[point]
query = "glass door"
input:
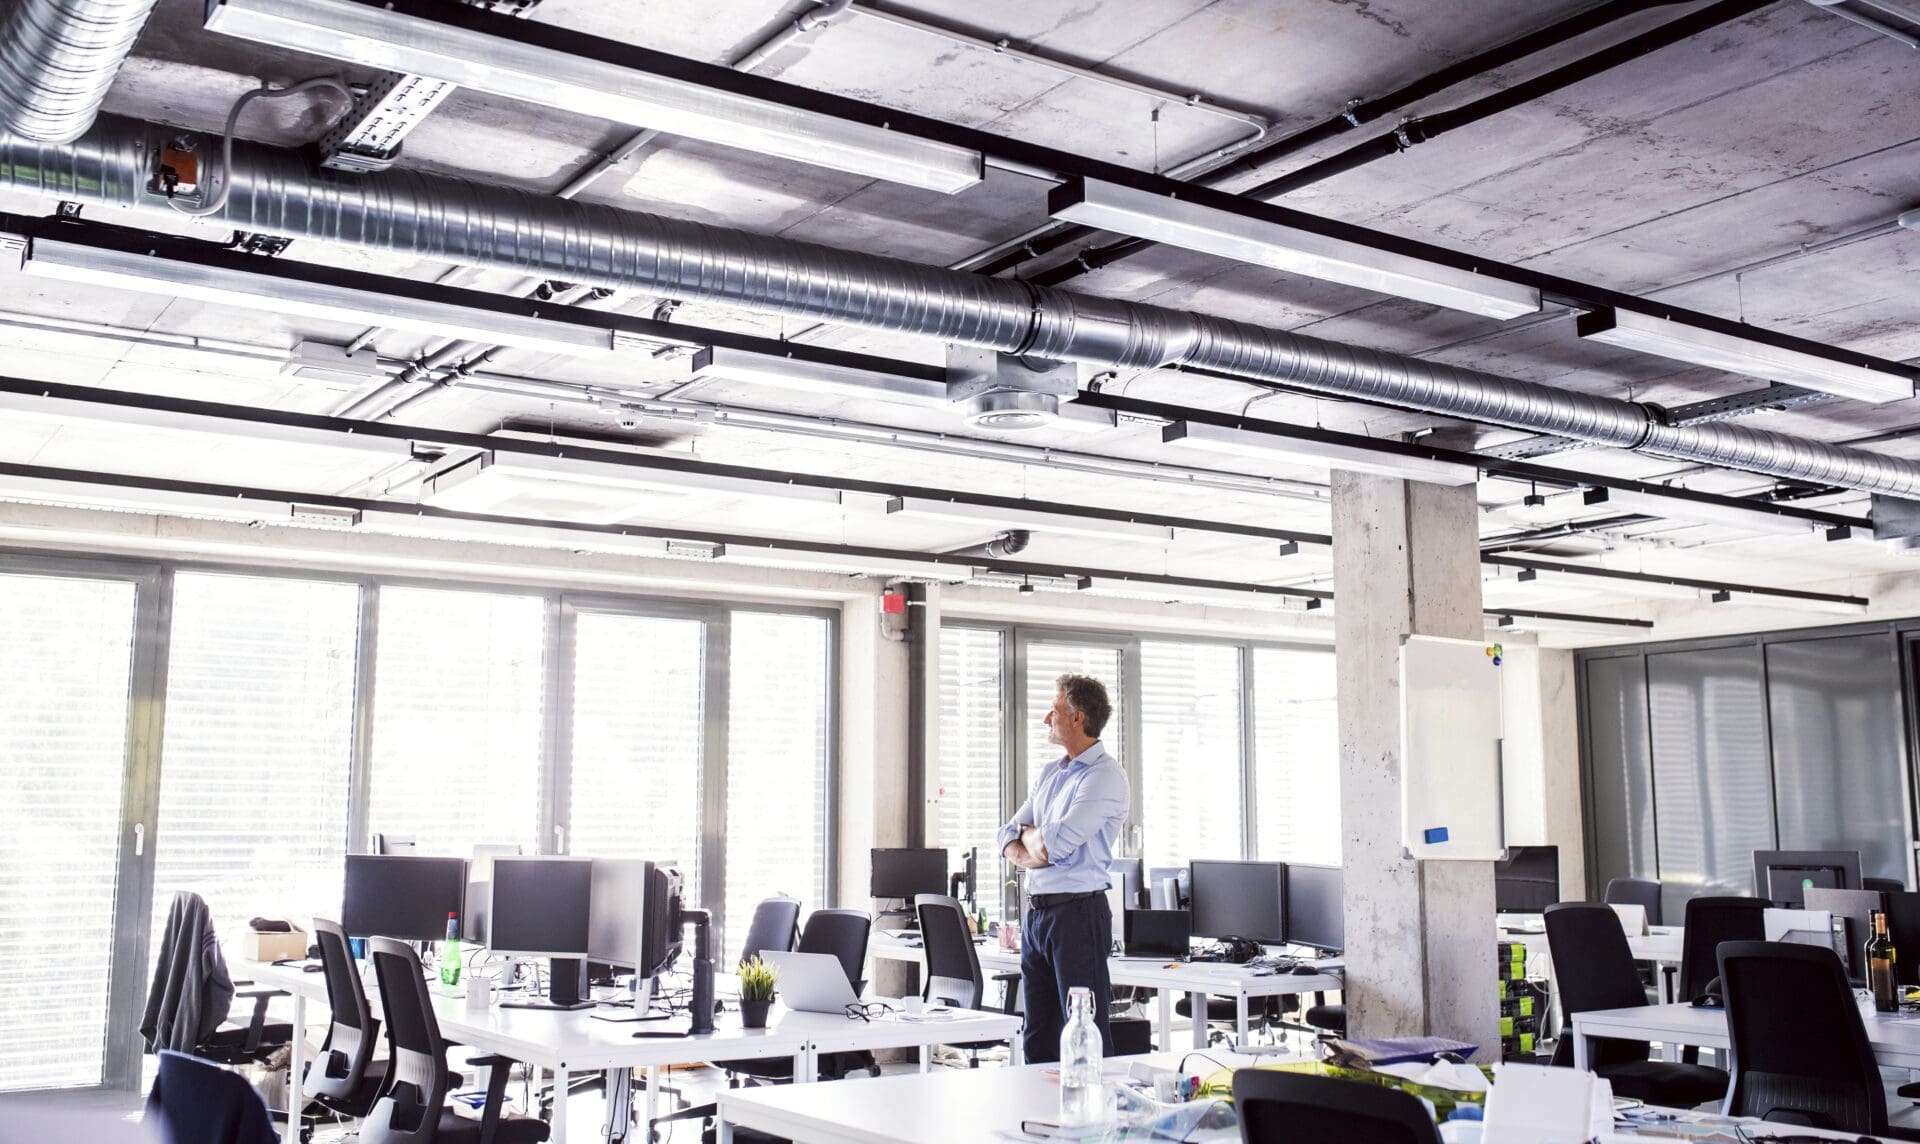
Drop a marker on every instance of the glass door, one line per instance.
(76, 697)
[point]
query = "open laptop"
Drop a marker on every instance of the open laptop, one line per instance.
(811, 982)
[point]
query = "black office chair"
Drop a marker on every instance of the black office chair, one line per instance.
(1800, 1053)
(953, 975)
(775, 926)
(1329, 1019)
(413, 1109)
(1643, 892)
(344, 1078)
(1595, 970)
(1883, 885)
(1224, 1012)
(1294, 1108)
(1711, 921)
(200, 1101)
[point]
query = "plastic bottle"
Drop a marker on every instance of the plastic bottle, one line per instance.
(1082, 1092)
(450, 953)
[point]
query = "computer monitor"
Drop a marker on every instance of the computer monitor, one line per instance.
(1316, 907)
(1167, 887)
(1856, 909)
(473, 922)
(1784, 876)
(540, 906)
(1240, 899)
(1527, 880)
(1133, 876)
(632, 915)
(1903, 928)
(402, 896)
(906, 871)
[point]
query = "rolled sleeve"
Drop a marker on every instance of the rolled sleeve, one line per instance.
(1101, 799)
(1022, 819)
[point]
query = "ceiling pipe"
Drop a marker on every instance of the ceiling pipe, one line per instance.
(458, 220)
(57, 60)
(1870, 22)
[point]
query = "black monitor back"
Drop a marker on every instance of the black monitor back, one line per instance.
(402, 896)
(903, 872)
(1527, 880)
(1784, 876)
(1316, 906)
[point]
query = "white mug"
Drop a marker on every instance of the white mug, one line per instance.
(913, 1004)
(479, 991)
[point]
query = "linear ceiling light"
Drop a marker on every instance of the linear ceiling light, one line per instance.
(1039, 520)
(812, 370)
(1247, 596)
(1175, 222)
(575, 489)
(67, 409)
(1680, 341)
(850, 563)
(1308, 450)
(1701, 512)
(103, 266)
(393, 37)
(1527, 620)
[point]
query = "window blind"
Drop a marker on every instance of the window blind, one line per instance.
(968, 808)
(1296, 750)
(1191, 795)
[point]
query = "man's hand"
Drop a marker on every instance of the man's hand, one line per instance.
(1017, 853)
(1035, 843)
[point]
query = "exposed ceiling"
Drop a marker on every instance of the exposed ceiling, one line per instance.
(1759, 141)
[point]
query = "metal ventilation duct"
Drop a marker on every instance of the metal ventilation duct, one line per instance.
(457, 220)
(57, 59)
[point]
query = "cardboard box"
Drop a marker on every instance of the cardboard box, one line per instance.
(275, 946)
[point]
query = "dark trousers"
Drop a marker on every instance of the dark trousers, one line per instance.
(1065, 947)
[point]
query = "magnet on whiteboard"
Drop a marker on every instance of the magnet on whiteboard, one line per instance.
(1436, 834)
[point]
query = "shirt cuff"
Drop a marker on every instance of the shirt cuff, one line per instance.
(1058, 850)
(1007, 834)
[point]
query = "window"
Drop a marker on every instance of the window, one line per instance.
(1296, 751)
(973, 697)
(1046, 663)
(1191, 789)
(777, 727)
(65, 669)
(457, 719)
(258, 748)
(638, 735)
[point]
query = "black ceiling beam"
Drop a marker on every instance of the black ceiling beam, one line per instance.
(1675, 581)
(1573, 617)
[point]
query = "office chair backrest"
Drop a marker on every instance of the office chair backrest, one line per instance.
(953, 965)
(1800, 1053)
(408, 1112)
(1285, 1108)
(1711, 921)
(1883, 885)
(342, 1064)
(775, 926)
(199, 1101)
(1594, 969)
(843, 933)
(1636, 892)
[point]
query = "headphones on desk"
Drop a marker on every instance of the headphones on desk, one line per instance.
(1235, 950)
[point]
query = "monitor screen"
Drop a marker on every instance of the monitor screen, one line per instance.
(1903, 927)
(1239, 899)
(902, 873)
(1527, 880)
(1783, 877)
(1316, 910)
(402, 896)
(541, 906)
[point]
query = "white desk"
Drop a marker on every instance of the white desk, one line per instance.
(565, 1043)
(948, 1106)
(1895, 1038)
(1197, 979)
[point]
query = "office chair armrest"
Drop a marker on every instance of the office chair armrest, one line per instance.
(1011, 994)
(497, 1067)
(257, 1024)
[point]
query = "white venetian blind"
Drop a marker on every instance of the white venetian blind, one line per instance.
(258, 749)
(1046, 663)
(973, 698)
(777, 727)
(638, 727)
(65, 664)
(1296, 750)
(1190, 756)
(457, 726)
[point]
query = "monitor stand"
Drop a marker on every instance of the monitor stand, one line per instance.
(567, 987)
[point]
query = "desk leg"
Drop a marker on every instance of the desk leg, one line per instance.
(1199, 1003)
(926, 1058)
(1240, 1019)
(296, 1081)
(723, 1131)
(806, 1067)
(558, 1125)
(1581, 1049)
(1166, 1021)
(619, 1119)
(653, 1100)
(1017, 1049)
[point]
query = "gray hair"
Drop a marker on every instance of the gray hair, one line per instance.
(1088, 697)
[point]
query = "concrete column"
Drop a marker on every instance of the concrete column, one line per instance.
(1420, 936)
(874, 797)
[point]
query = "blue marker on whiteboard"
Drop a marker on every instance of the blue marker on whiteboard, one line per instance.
(1436, 834)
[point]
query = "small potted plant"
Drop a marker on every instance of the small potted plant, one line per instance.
(756, 992)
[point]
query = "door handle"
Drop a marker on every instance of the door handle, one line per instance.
(139, 839)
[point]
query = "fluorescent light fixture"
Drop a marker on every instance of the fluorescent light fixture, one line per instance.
(852, 564)
(72, 262)
(1700, 512)
(818, 371)
(392, 38)
(75, 409)
(1316, 452)
(1664, 337)
(1552, 621)
(586, 491)
(1208, 230)
(1039, 520)
(1596, 580)
(1204, 594)
(1788, 603)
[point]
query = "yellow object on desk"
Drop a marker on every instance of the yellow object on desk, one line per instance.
(1444, 1100)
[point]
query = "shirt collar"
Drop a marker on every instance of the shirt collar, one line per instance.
(1092, 755)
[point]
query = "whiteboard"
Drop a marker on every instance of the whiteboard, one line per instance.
(1450, 731)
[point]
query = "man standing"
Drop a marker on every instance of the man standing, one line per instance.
(1064, 836)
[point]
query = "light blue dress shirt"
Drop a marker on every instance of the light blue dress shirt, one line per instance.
(1080, 805)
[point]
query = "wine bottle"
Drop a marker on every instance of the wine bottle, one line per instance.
(1881, 979)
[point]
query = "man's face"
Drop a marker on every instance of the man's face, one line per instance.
(1061, 720)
